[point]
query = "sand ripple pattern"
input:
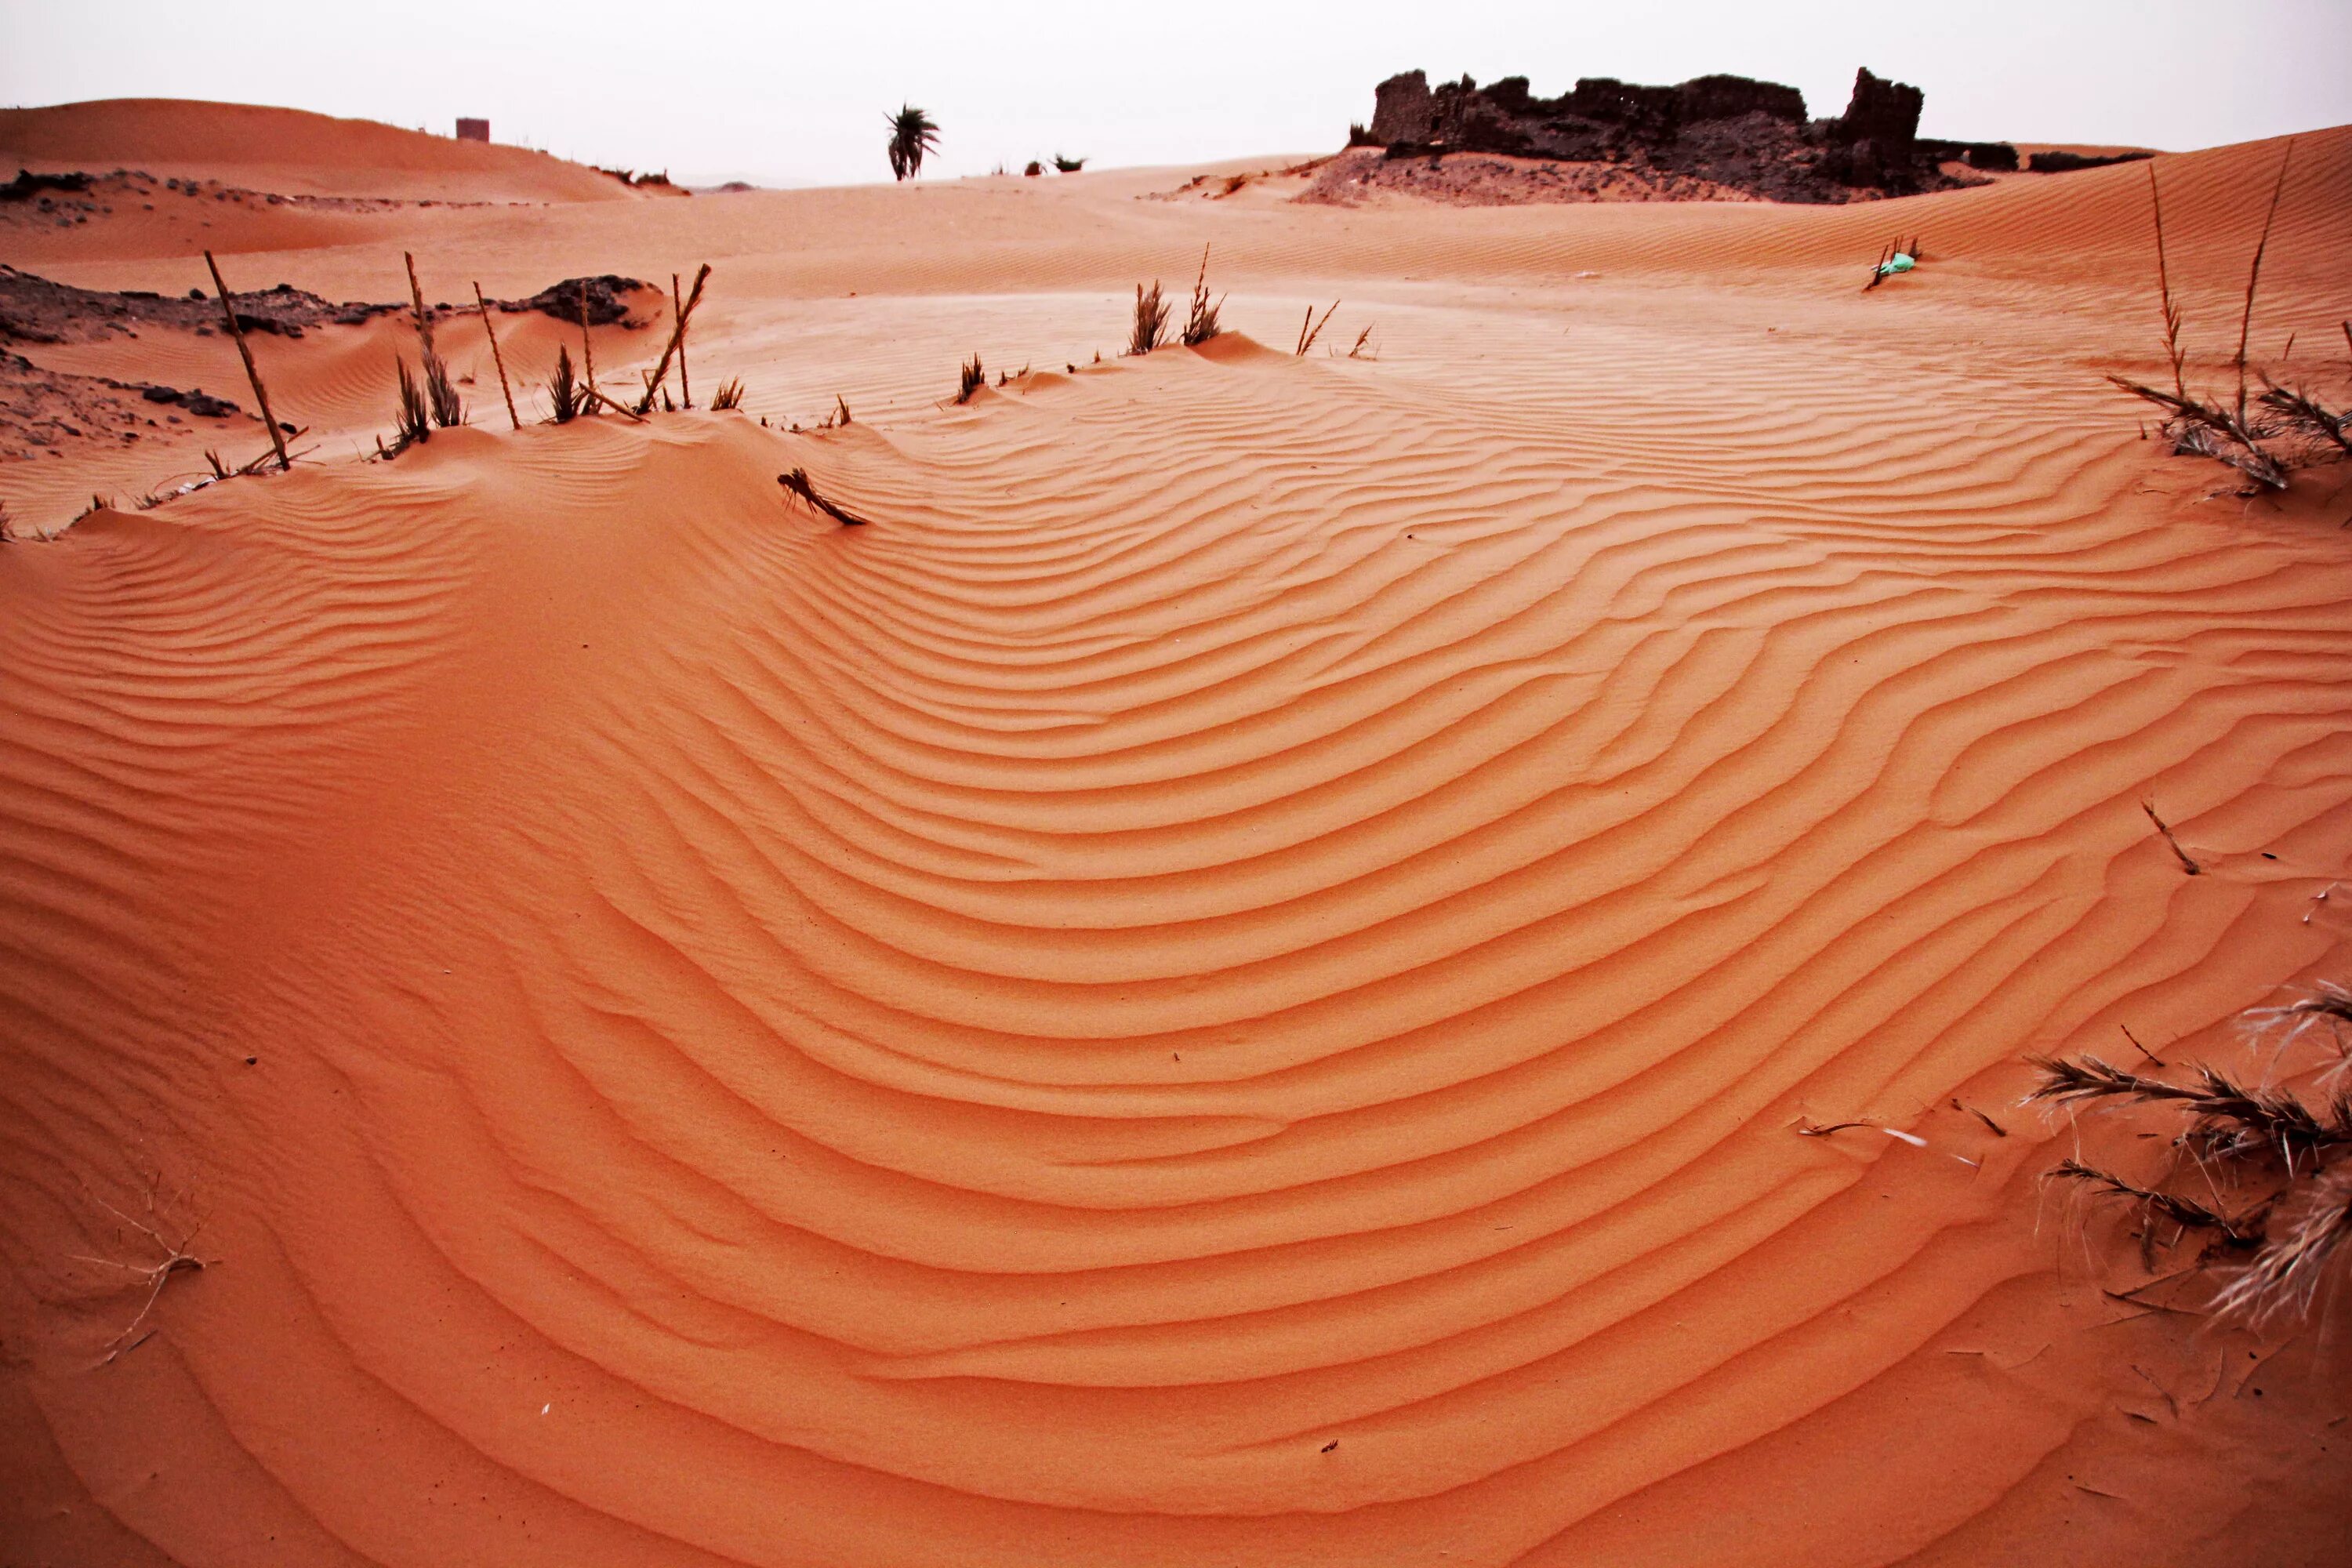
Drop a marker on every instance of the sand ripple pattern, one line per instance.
(1228, 983)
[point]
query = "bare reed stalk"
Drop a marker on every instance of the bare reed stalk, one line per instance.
(685, 387)
(497, 358)
(683, 314)
(252, 372)
(447, 409)
(797, 482)
(2254, 274)
(587, 344)
(2164, 291)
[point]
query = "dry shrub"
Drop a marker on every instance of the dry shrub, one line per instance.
(2284, 1149)
(969, 379)
(2264, 438)
(1151, 320)
(728, 395)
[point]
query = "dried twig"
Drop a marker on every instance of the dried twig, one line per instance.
(175, 1259)
(588, 346)
(796, 480)
(252, 372)
(685, 314)
(685, 387)
(2255, 273)
(2187, 865)
(497, 359)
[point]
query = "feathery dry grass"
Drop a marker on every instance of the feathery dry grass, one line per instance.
(2264, 438)
(2287, 1145)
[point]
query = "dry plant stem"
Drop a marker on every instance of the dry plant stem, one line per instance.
(416, 300)
(1306, 334)
(2164, 291)
(676, 337)
(2187, 865)
(2185, 1211)
(623, 410)
(685, 387)
(497, 359)
(252, 372)
(2254, 274)
(797, 482)
(587, 343)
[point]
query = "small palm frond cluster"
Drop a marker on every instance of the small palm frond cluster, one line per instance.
(2283, 1150)
(914, 136)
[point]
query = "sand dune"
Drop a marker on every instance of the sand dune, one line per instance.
(1234, 980)
(289, 151)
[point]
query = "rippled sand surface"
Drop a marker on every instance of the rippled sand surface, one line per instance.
(1234, 980)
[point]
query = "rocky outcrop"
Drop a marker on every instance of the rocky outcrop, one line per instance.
(1726, 131)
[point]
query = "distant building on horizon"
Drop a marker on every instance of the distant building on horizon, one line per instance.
(473, 131)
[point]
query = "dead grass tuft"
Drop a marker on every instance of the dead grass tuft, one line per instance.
(2266, 438)
(2286, 1144)
(1150, 328)
(412, 421)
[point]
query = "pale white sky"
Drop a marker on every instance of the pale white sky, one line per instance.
(785, 92)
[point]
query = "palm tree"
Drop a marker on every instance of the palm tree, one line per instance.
(913, 136)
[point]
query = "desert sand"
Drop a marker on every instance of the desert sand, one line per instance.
(1234, 981)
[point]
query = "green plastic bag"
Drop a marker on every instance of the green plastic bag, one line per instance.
(1898, 262)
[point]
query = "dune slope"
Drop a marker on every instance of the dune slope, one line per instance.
(1233, 981)
(289, 151)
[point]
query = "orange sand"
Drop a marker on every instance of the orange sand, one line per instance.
(289, 151)
(1230, 982)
